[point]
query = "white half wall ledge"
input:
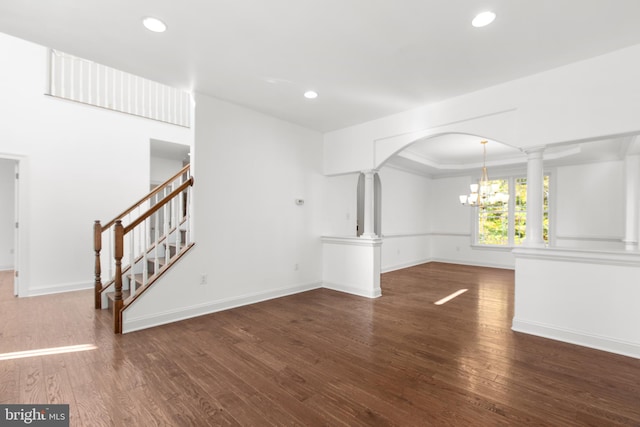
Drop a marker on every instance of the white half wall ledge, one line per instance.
(157, 319)
(583, 297)
(624, 258)
(611, 239)
(352, 240)
(578, 338)
(352, 265)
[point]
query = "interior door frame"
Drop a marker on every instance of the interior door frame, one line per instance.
(19, 282)
(16, 229)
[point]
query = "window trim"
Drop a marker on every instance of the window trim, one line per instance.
(511, 213)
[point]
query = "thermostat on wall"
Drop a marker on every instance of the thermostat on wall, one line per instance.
(299, 202)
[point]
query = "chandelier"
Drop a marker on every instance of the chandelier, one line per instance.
(484, 193)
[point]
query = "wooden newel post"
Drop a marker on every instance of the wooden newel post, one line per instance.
(97, 247)
(117, 299)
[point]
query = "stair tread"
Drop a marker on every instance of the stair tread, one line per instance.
(174, 244)
(112, 295)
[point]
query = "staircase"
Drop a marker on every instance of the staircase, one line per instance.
(141, 244)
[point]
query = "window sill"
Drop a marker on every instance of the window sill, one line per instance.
(498, 248)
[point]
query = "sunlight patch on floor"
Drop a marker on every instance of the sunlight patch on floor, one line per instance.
(450, 297)
(47, 351)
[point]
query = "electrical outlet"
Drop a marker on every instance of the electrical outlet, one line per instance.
(203, 279)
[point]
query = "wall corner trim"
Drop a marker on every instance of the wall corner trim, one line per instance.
(353, 290)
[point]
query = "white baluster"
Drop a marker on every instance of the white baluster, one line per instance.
(174, 105)
(145, 254)
(90, 82)
(120, 106)
(132, 263)
(98, 88)
(110, 252)
(81, 80)
(128, 76)
(188, 237)
(156, 260)
(62, 79)
(143, 97)
(53, 85)
(165, 218)
(176, 208)
(72, 75)
(162, 102)
(157, 115)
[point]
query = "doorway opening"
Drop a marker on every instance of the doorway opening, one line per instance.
(9, 225)
(377, 209)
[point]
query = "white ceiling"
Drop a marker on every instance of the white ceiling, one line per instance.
(455, 154)
(366, 58)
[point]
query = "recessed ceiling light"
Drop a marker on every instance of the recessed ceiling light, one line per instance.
(154, 24)
(310, 94)
(483, 19)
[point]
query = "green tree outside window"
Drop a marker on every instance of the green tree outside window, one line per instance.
(494, 225)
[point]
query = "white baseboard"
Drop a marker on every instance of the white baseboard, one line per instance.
(473, 263)
(375, 293)
(56, 289)
(404, 265)
(446, 261)
(579, 338)
(145, 322)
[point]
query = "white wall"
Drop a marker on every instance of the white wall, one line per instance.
(582, 297)
(588, 99)
(590, 205)
(406, 199)
(340, 205)
(79, 164)
(7, 220)
(163, 169)
(250, 235)
(451, 228)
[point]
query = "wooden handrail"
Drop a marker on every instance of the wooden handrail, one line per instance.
(147, 197)
(158, 205)
(119, 233)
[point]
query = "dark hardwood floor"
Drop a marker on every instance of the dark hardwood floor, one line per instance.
(318, 358)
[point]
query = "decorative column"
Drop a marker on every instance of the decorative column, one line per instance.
(535, 198)
(369, 205)
(632, 195)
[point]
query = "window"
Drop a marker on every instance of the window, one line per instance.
(502, 221)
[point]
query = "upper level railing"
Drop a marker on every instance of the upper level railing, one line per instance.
(78, 79)
(141, 242)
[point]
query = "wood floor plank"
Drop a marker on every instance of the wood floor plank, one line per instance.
(319, 358)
